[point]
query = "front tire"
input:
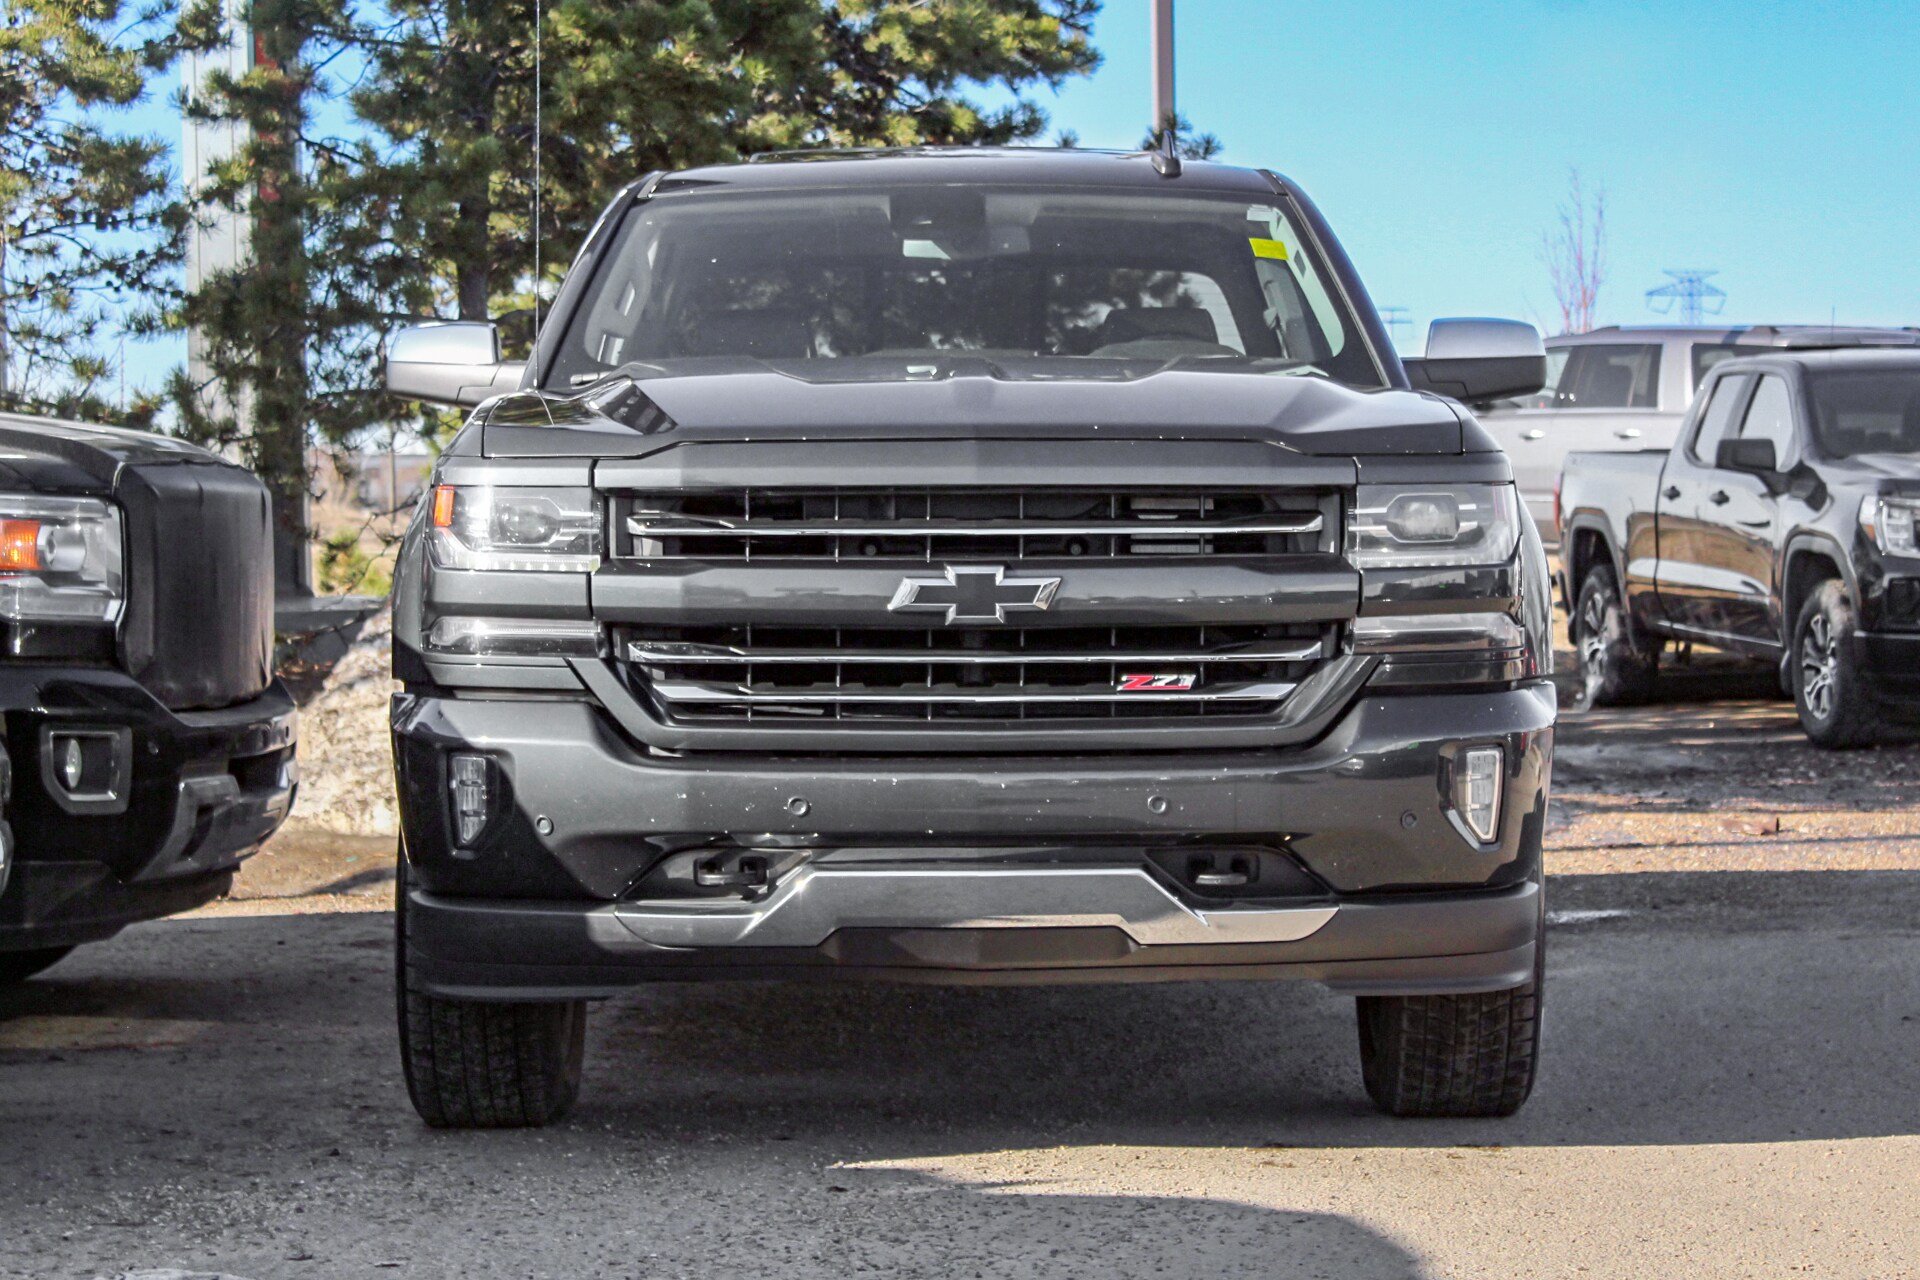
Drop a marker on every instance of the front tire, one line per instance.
(1617, 666)
(1830, 692)
(18, 966)
(1463, 1056)
(473, 1064)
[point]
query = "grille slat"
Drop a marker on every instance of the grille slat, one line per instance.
(931, 524)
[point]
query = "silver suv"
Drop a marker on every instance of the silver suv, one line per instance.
(1628, 387)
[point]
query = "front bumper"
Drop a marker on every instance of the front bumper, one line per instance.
(195, 792)
(983, 868)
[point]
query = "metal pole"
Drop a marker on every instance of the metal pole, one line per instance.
(1161, 43)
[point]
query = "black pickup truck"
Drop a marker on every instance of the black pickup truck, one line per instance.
(993, 566)
(1780, 525)
(147, 747)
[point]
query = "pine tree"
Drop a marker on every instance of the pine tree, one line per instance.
(90, 230)
(426, 205)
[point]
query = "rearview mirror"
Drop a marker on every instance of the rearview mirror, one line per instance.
(1477, 361)
(1756, 456)
(450, 362)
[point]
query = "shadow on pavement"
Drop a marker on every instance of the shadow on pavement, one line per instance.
(1716, 1007)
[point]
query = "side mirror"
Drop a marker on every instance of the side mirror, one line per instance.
(450, 362)
(1756, 456)
(1476, 361)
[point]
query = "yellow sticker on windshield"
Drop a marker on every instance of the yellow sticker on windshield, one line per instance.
(1268, 248)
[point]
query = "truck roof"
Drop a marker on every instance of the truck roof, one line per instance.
(1759, 335)
(1832, 358)
(1071, 166)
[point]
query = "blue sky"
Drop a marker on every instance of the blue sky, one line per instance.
(1775, 142)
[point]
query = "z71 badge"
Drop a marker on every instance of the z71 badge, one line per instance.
(1171, 682)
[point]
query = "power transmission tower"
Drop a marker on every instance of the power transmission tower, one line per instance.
(1689, 289)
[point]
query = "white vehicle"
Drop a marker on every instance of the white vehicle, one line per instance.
(1628, 387)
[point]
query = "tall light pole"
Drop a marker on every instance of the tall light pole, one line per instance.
(1160, 41)
(220, 240)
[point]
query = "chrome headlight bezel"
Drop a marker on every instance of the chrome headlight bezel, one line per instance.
(62, 559)
(1893, 523)
(515, 528)
(1414, 526)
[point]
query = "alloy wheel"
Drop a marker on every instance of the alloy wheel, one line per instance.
(1819, 662)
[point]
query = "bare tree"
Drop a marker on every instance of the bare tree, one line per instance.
(1575, 252)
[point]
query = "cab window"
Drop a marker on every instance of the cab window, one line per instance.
(1727, 396)
(1611, 375)
(1770, 416)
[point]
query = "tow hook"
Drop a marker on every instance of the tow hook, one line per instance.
(1218, 871)
(749, 871)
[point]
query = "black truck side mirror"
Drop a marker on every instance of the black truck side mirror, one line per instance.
(1478, 361)
(1756, 456)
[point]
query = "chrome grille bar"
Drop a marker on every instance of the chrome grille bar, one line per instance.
(691, 692)
(648, 524)
(658, 653)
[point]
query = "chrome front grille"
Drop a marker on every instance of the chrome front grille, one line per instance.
(763, 606)
(776, 673)
(937, 524)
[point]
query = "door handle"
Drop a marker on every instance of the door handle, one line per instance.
(1671, 493)
(1628, 433)
(1535, 433)
(1719, 498)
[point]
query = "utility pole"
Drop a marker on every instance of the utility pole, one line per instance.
(1160, 40)
(1688, 288)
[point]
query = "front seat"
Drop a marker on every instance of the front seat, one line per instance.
(763, 334)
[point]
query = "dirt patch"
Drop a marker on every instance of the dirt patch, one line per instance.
(346, 755)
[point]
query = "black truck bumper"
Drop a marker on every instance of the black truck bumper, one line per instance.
(169, 803)
(982, 869)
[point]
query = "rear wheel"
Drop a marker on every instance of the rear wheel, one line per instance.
(1617, 664)
(1836, 708)
(18, 966)
(473, 1064)
(1471, 1055)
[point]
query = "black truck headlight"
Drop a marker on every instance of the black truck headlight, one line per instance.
(60, 559)
(513, 528)
(1890, 523)
(1415, 526)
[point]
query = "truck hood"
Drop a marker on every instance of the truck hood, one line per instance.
(1881, 466)
(643, 412)
(49, 455)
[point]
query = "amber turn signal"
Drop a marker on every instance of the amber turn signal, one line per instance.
(19, 546)
(443, 506)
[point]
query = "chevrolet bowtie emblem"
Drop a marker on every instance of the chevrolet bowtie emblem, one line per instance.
(973, 593)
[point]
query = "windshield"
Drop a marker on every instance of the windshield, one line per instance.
(1052, 282)
(1866, 411)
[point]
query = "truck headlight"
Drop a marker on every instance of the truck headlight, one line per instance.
(506, 528)
(1415, 526)
(1889, 522)
(60, 559)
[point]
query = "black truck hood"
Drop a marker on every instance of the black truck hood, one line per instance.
(46, 455)
(751, 400)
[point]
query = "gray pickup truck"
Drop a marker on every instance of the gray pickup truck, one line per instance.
(1780, 525)
(1625, 388)
(980, 566)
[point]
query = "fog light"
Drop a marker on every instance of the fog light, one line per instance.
(1476, 790)
(73, 763)
(471, 779)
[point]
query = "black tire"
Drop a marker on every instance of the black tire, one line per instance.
(1617, 664)
(474, 1064)
(1436, 1056)
(18, 966)
(1836, 707)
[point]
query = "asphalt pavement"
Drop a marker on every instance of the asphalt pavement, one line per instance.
(1731, 1087)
